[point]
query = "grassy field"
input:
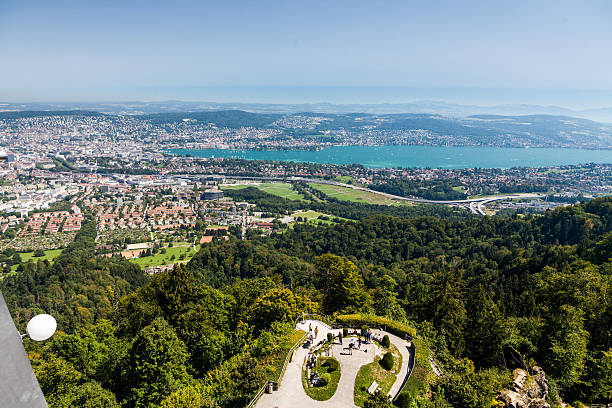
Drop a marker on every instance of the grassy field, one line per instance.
(50, 255)
(164, 259)
(284, 190)
(312, 217)
(359, 196)
(325, 365)
(375, 372)
(460, 189)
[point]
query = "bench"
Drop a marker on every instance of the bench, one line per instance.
(373, 388)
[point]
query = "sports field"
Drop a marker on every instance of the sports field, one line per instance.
(284, 190)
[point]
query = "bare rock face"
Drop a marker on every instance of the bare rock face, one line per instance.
(527, 391)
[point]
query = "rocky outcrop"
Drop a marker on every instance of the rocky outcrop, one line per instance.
(529, 390)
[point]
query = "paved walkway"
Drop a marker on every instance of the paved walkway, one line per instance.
(291, 392)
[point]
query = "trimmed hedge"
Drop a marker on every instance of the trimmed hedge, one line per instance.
(332, 365)
(358, 320)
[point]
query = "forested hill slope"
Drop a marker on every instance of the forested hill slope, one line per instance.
(530, 284)
(487, 295)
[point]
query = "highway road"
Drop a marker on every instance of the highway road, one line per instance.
(479, 200)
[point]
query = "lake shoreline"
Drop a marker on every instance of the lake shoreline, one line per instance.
(413, 156)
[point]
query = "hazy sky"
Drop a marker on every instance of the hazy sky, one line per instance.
(197, 50)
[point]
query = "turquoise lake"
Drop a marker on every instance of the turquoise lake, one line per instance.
(418, 156)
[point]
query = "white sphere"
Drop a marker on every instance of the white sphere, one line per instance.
(41, 327)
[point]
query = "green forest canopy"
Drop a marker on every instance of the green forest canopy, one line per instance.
(485, 294)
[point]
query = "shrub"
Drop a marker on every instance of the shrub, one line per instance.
(385, 341)
(404, 400)
(344, 332)
(324, 379)
(392, 326)
(378, 400)
(387, 361)
(330, 338)
(331, 364)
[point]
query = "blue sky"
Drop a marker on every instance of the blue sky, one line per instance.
(211, 50)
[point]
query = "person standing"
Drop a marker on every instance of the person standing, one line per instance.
(316, 331)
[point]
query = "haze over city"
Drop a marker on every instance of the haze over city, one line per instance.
(481, 52)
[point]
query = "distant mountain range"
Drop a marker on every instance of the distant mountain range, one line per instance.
(603, 114)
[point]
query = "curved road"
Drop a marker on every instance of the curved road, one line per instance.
(482, 200)
(422, 200)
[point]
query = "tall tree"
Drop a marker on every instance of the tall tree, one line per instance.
(155, 366)
(565, 345)
(343, 287)
(486, 329)
(385, 299)
(446, 308)
(278, 305)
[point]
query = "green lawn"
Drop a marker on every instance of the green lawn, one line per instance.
(312, 217)
(375, 372)
(284, 190)
(165, 259)
(359, 196)
(325, 365)
(344, 179)
(310, 214)
(50, 255)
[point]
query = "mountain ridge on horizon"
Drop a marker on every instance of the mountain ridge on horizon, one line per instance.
(602, 114)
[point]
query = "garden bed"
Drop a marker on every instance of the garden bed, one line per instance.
(326, 366)
(375, 372)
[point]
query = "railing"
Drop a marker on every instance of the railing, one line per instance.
(410, 368)
(282, 373)
(257, 396)
(436, 366)
(290, 356)
(326, 320)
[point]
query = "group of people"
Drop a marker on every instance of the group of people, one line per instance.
(355, 344)
(314, 379)
(316, 330)
(312, 361)
(312, 334)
